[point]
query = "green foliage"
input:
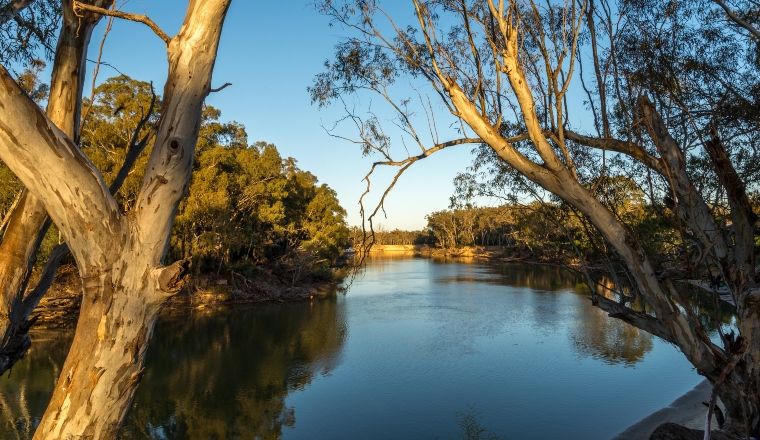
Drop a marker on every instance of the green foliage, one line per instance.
(249, 204)
(245, 205)
(108, 124)
(324, 224)
(24, 33)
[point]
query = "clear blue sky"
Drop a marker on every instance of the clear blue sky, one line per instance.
(270, 51)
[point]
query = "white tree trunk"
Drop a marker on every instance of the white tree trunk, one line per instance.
(119, 256)
(28, 219)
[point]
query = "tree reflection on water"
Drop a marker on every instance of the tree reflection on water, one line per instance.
(208, 376)
(26, 388)
(231, 380)
(228, 374)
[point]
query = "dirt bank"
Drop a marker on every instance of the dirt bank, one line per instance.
(59, 308)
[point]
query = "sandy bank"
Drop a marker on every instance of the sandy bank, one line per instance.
(687, 410)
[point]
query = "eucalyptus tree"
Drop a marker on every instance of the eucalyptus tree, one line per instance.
(119, 254)
(26, 223)
(508, 73)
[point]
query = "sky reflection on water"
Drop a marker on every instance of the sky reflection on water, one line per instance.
(415, 349)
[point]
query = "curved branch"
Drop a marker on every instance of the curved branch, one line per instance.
(49, 164)
(733, 16)
(429, 151)
(220, 88)
(631, 149)
(144, 19)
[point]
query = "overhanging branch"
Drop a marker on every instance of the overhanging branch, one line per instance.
(144, 19)
(638, 319)
(631, 149)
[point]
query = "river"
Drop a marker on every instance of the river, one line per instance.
(417, 349)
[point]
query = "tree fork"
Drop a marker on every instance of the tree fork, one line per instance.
(124, 283)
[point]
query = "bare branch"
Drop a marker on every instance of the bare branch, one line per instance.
(135, 146)
(95, 71)
(631, 149)
(733, 16)
(220, 88)
(144, 19)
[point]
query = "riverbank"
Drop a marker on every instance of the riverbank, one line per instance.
(415, 250)
(687, 411)
(59, 308)
(366, 335)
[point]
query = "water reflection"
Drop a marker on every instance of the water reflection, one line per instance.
(207, 376)
(594, 334)
(25, 389)
(211, 378)
(538, 277)
(522, 343)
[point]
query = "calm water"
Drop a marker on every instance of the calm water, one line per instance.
(417, 350)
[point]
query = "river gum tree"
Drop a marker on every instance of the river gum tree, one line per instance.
(119, 254)
(27, 222)
(504, 68)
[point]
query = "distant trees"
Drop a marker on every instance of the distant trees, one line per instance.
(394, 237)
(246, 205)
(612, 110)
(517, 227)
(538, 231)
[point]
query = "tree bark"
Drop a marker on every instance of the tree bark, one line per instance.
(690, 206)
(28, 221)
(125, 287)
(741, 213)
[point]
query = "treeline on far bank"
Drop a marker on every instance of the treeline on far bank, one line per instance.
(248, 211)
(550, 231)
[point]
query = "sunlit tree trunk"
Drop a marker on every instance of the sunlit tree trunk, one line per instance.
(119, 256)
(28, 221)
